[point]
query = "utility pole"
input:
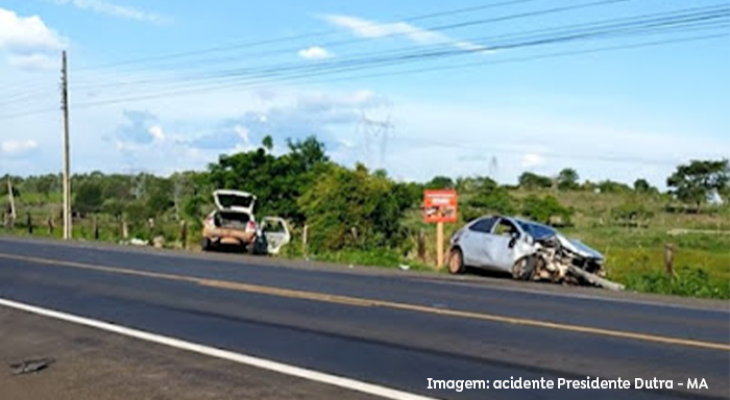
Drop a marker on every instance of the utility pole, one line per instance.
(67, 221)
(11, 197)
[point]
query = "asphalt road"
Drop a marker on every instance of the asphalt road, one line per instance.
(91, 364)
(391, 328)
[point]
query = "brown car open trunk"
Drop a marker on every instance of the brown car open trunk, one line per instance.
(231, 219)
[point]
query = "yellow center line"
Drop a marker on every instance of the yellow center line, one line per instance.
(364, 302)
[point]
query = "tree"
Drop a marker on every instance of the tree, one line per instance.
(159, 193)
(695, 182)
(632, 213)
(531, 181)
(568, 179)
(277, 181)
(88, 197)
(4, 186)
(544, 209)
(346, 201)
(490, 197)
(47, 184)
(440, 182)
(609, 186)
(268, 143)
(113, 207)
(642, 186)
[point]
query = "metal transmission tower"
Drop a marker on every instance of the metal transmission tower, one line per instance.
(494, 169)
(374, 130)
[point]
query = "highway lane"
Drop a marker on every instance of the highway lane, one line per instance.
(399, 348)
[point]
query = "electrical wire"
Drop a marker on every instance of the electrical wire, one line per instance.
(409, 72)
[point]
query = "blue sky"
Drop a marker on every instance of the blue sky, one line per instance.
(612, 114)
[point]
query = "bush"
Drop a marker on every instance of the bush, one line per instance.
(490, 197)
(352, 208)
(694, 282)
(545, 209)
(631, 213)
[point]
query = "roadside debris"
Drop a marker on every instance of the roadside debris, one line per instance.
(158, 242)
(31, 366)
(137, 242)
(404, 267)
(529, 251)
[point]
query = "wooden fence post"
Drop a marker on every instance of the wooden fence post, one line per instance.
(305, 234)
(439, 245)
(151, 230)
(184, 234)
(96, 228)
(49, 223)
(669, 259)
(421, 245)
(29, 223)
(125, 229)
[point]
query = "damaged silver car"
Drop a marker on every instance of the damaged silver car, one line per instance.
(528, 250)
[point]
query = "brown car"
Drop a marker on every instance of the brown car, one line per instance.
(233, 224)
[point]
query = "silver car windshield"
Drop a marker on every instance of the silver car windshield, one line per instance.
(537, 231)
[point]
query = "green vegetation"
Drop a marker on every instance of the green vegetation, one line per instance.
(357, 216)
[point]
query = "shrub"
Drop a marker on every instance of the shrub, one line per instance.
(688, 281)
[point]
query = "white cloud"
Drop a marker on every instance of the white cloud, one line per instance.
(375, 30)
(242, 133)
(33, 62)
(315, 53)
(17, 147)
(115, 10)
(157, 133)
(348, 144)
(530, 160)
(26, 34)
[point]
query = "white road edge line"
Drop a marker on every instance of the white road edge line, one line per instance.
(291, 370)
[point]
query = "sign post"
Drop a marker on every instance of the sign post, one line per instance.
(440, 206)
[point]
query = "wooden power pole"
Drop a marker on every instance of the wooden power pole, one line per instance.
(11, 198)
(67, 220)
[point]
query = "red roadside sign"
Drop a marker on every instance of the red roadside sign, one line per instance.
(440, 206)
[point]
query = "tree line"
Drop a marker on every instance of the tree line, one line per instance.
(344, 207)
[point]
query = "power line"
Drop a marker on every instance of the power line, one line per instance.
(698, 18)
(632, 22)
(505, 150)
(279, 70)
(405, 72)
(354, 41)
(309, 35)
(243, 80)
(661, 22)
(644, 26)
(438, 28)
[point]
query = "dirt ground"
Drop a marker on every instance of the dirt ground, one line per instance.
(92, 364)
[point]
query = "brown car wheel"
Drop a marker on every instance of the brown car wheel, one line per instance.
(524, 269)
(456, 262)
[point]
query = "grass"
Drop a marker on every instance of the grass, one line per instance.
(635, 256)
(687, 281)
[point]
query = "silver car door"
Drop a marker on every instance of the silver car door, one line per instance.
(500, 255)
(276, 232)
(468, 247)
(479, 238)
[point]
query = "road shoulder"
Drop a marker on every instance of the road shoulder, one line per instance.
(91, 364)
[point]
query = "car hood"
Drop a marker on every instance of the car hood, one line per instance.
(578, 247)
